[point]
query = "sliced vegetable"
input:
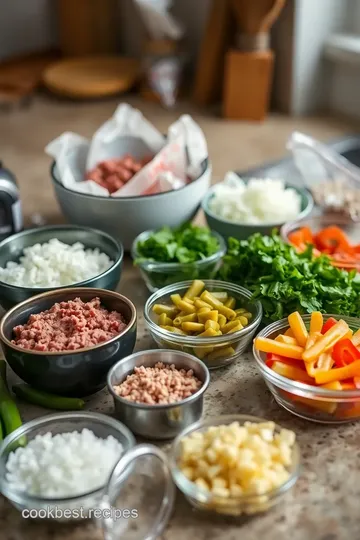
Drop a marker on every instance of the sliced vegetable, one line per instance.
(338, 374)
(327, 341)
(50, 401)
(316, 322)
(357, 382)
(271, 346)
(331, 239)
(292, 372)
(286, 339)
(298, 327)
(329, 324)
(356, 338)
(345, 353)
(271, 358)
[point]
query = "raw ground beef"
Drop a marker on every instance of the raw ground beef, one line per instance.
(69, 326)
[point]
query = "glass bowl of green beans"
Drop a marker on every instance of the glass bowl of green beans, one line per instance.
(213, 320)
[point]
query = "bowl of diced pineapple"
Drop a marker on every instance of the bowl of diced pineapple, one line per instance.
(213, 320)
(235, 464)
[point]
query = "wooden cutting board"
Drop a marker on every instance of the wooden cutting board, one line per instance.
(19, 77)
(92, 77)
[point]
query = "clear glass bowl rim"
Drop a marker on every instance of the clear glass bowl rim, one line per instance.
(322, 219)
(162, 266)
(197, 341)
(26, 428)
(298, 388)
(188, 487)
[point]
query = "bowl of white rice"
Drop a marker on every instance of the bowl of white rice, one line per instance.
(54, 257)
(58, 466)
(239, 208)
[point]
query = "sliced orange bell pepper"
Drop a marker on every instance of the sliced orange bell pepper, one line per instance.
(338, 374)
(312, 339)
(326, 342)
(286, 339)
(316, 322)
(298, 327)
(335, 385)
(292, 372)
(284, 349)
(289, 333)
(323, 363)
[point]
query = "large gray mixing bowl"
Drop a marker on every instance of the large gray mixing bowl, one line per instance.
(126, 217)
(12, 248)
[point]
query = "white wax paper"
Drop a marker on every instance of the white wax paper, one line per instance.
(180, 155)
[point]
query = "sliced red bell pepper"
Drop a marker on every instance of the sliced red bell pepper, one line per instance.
(271, 358)
(329, 324)
(345, 352)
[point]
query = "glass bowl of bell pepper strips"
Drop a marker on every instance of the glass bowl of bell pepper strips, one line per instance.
(330, 234)
(311, 365)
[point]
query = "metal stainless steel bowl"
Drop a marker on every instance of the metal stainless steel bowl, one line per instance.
(12, 248)
(158, 421)
(68, 373)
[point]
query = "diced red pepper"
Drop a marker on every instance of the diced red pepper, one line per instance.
(345, 352)
(329, 324)
(271, 358)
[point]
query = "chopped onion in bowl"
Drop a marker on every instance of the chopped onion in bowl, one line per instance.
(259, 201)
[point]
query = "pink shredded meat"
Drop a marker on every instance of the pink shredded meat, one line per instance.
(68, 326)
(161, 384)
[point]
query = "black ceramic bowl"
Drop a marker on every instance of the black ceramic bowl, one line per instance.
(79, 373)
(12, 248)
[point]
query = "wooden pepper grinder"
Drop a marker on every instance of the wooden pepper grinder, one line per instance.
(249, 66)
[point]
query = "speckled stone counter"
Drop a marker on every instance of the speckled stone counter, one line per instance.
(324, 505)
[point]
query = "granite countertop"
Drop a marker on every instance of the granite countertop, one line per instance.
(324, 503)
(322, 506)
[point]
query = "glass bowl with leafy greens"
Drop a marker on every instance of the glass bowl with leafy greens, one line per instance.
(168, 256)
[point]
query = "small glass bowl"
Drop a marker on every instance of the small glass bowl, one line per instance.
(309, 402)
(317, 223)
(232, 345)
(159, 274)
(69, 508)
(232, 506)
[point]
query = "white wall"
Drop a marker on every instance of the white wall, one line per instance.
(26, 26)
(315, 20)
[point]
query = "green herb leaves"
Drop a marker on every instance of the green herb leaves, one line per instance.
(287, 281)
(186, 244)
